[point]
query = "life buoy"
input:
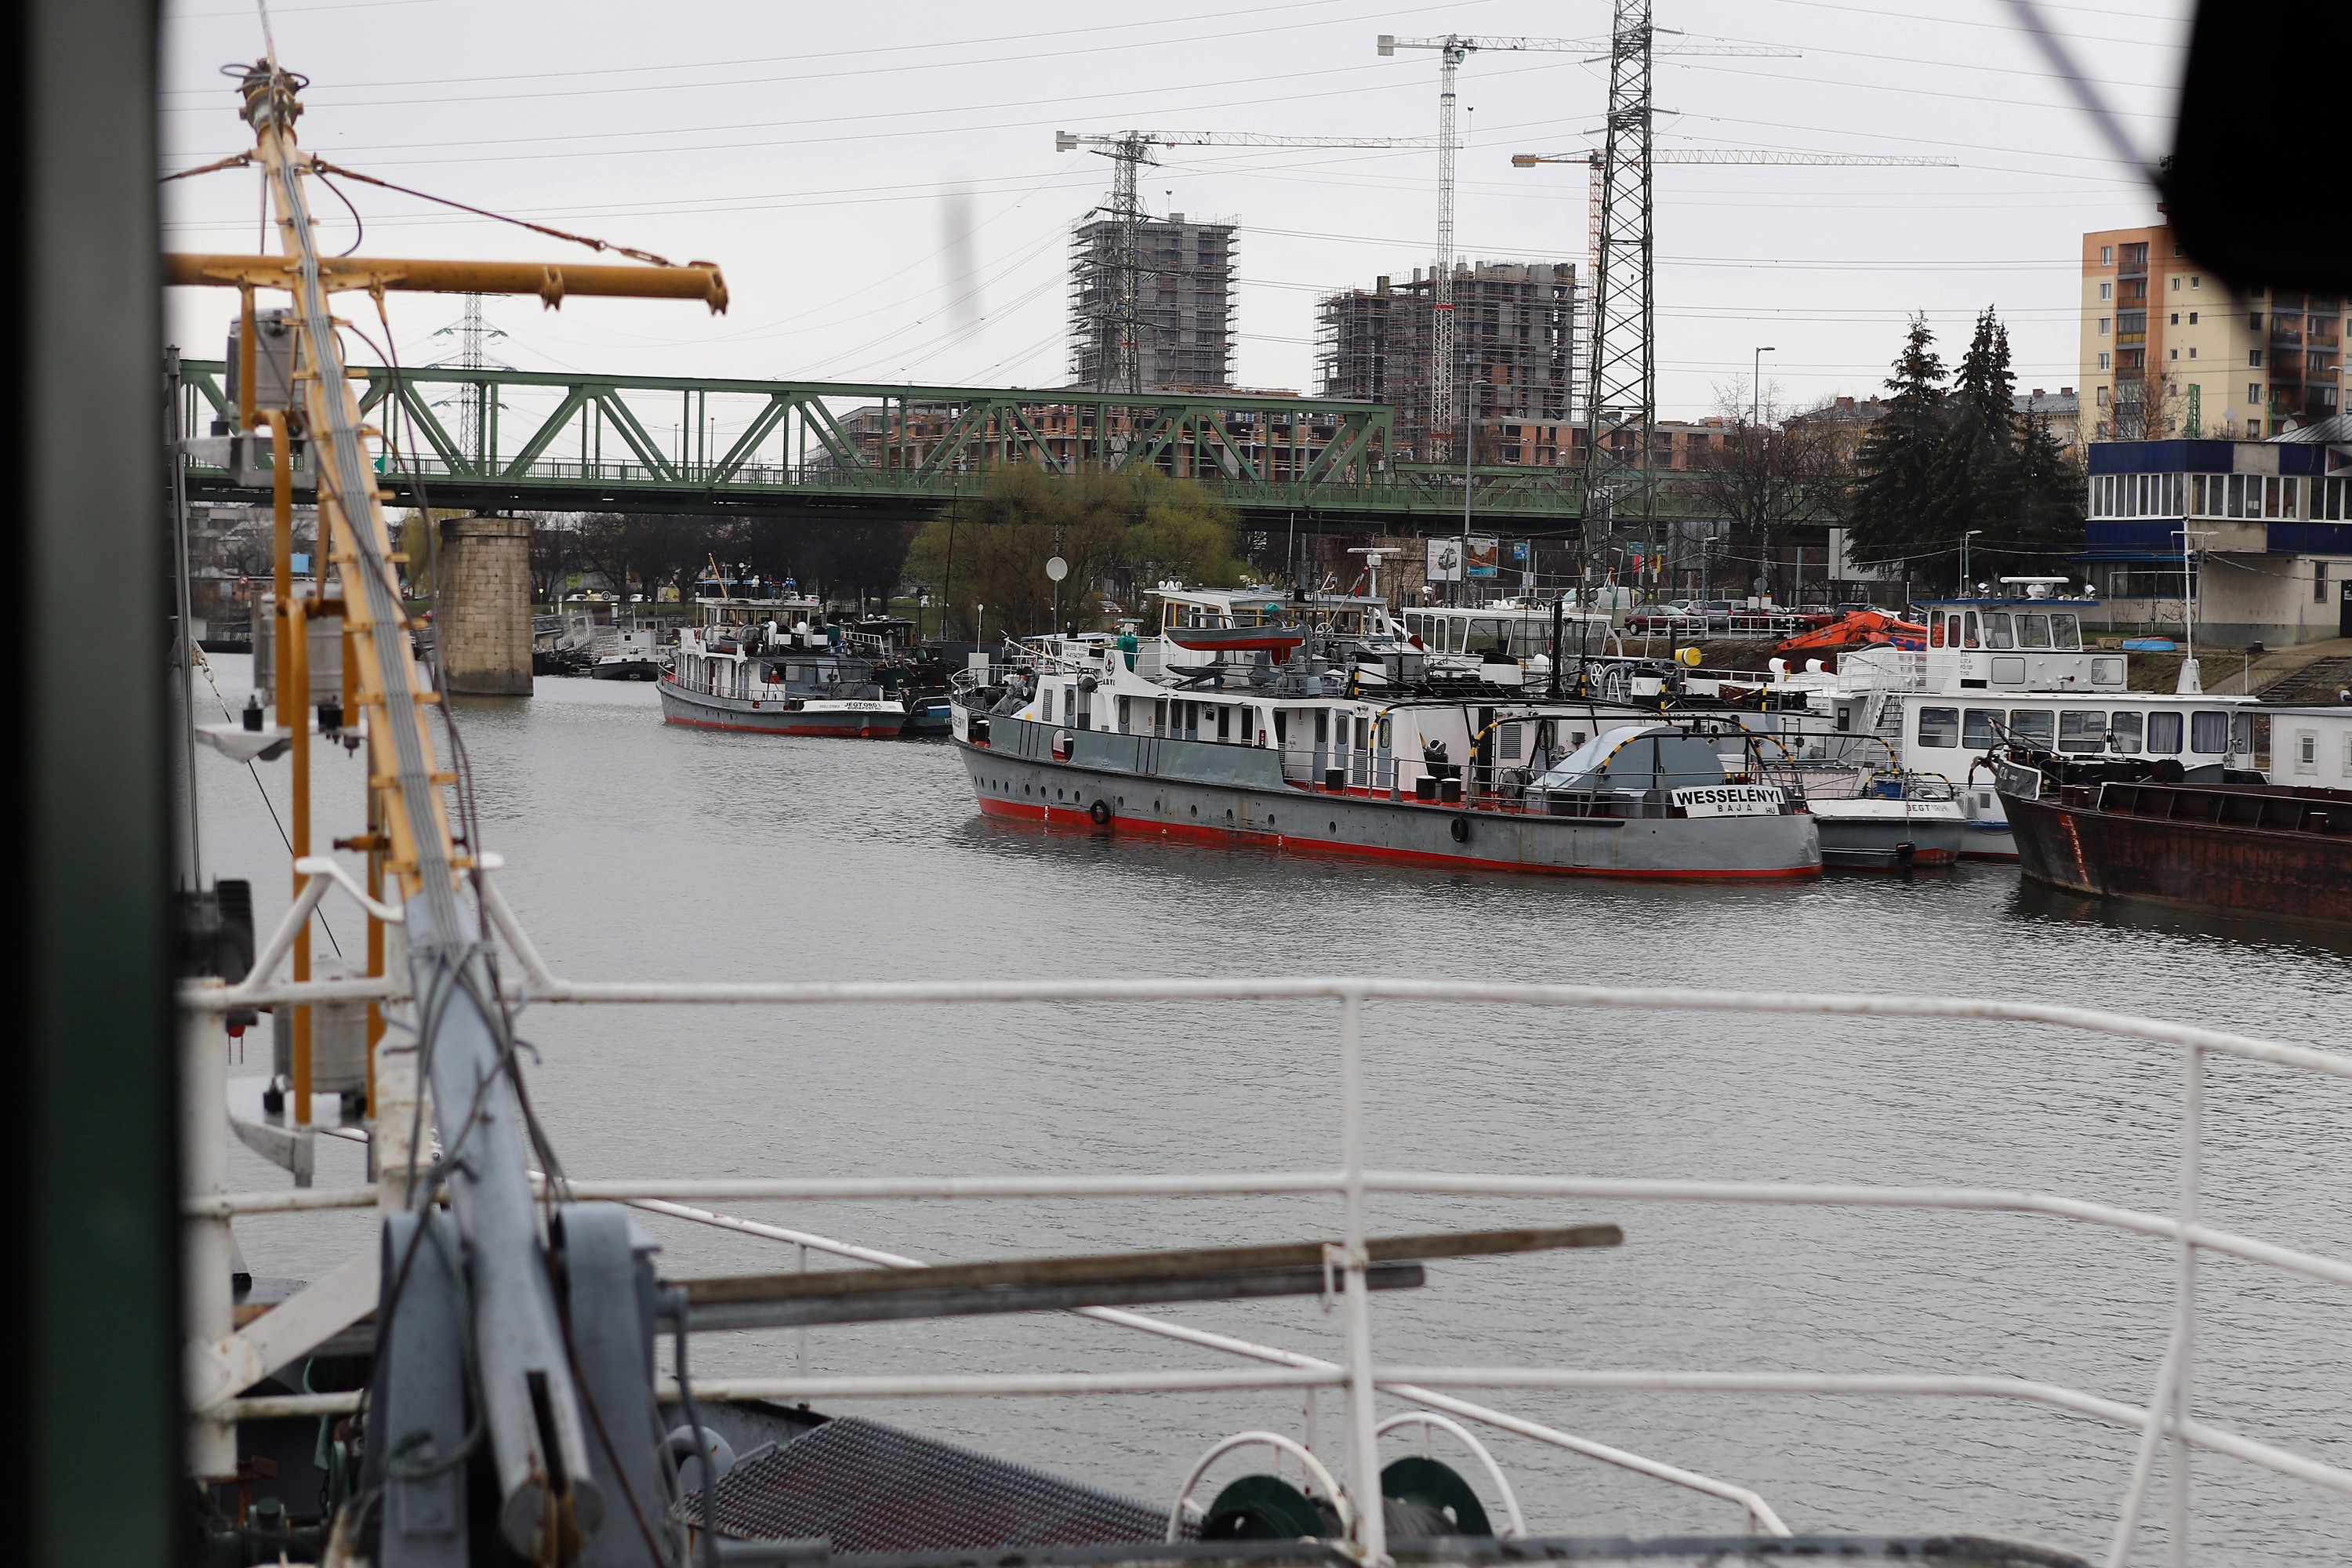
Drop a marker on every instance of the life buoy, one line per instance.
(1100, 812)
(1460, 829)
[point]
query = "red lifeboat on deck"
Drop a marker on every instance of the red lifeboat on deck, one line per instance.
(1279, 642)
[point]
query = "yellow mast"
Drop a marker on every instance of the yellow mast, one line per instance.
(550, 1502)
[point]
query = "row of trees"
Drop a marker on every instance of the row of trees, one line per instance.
(1946, 460)
(637, 553)
(1942, 459)
(1117, 531)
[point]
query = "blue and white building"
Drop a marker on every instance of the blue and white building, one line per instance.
(2266, 525)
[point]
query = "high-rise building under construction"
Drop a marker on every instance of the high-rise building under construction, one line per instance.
(1184, 315)
(1514, 329)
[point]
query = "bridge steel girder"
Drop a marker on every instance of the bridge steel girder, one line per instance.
(910, 451)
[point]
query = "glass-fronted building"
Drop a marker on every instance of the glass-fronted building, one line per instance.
(2266, 527)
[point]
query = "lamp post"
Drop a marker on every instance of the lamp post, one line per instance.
(1972, 533)
(1756, 425)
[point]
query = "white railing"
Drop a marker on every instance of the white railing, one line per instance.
(1359, 1373)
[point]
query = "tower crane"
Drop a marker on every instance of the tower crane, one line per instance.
(1452, 50)
(1121, 370)
(1621, 369)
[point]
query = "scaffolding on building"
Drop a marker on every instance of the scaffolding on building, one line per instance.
(1181, 274)
(1513, 345)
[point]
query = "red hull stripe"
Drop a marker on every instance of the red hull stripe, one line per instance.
(1235, 838)
(841, 730)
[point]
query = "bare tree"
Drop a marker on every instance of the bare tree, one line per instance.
(1767, 474)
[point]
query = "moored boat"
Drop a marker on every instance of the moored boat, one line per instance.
(1305, 760)
(2126, 829)
(734, 673)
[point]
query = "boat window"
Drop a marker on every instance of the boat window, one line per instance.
(1224, 723)
(2164, 734)
(1122, 715)
(1997, 629)
(1322, 725)
(2082, 729)
(1340, 730)
(2034, 631)
(1982, 730)
(2065, 633)
(2306, 751)
(1936, 629)
(1970, 637)
(1939, 726)
(2208, 732)
(2123, 729)
(1510, 743)
(2034, 726)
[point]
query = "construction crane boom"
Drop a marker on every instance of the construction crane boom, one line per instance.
(1121, 368)
(1068, 140)
(1390, 44)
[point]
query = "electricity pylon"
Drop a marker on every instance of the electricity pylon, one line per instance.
(1452, 50)
(1620, 377)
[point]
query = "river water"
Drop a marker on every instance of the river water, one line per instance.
(634, 850)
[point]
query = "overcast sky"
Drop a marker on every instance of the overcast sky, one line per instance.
(822, 155)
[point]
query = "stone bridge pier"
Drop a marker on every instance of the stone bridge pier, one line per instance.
(482, 619)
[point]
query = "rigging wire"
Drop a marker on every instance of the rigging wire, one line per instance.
(320, 166)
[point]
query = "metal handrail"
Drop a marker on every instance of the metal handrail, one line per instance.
(2167, 1413)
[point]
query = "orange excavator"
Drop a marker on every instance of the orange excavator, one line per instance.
(1863, 628)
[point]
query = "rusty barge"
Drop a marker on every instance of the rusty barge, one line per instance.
(2123, 831)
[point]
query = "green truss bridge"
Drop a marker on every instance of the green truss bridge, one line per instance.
(495, 438)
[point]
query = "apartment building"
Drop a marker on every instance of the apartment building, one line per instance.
(2168, 350)
(1184, 304)
(1514, 325)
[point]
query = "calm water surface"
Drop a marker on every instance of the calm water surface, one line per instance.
(637, 850)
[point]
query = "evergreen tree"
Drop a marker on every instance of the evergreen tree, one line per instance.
(2048, 492)
(1975, 488)
(1896, 467)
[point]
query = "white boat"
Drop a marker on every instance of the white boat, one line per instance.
(2014, 668)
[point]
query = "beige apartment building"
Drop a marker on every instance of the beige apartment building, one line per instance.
(2169, 351)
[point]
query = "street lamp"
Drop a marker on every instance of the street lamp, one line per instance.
(1972, 533)
(1756, 426)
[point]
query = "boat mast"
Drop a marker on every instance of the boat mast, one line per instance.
(529, 1402)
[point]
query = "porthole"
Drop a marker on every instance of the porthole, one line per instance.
(1229, 814)
(1058, 795)
(1335, 828)
(1195, 810)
